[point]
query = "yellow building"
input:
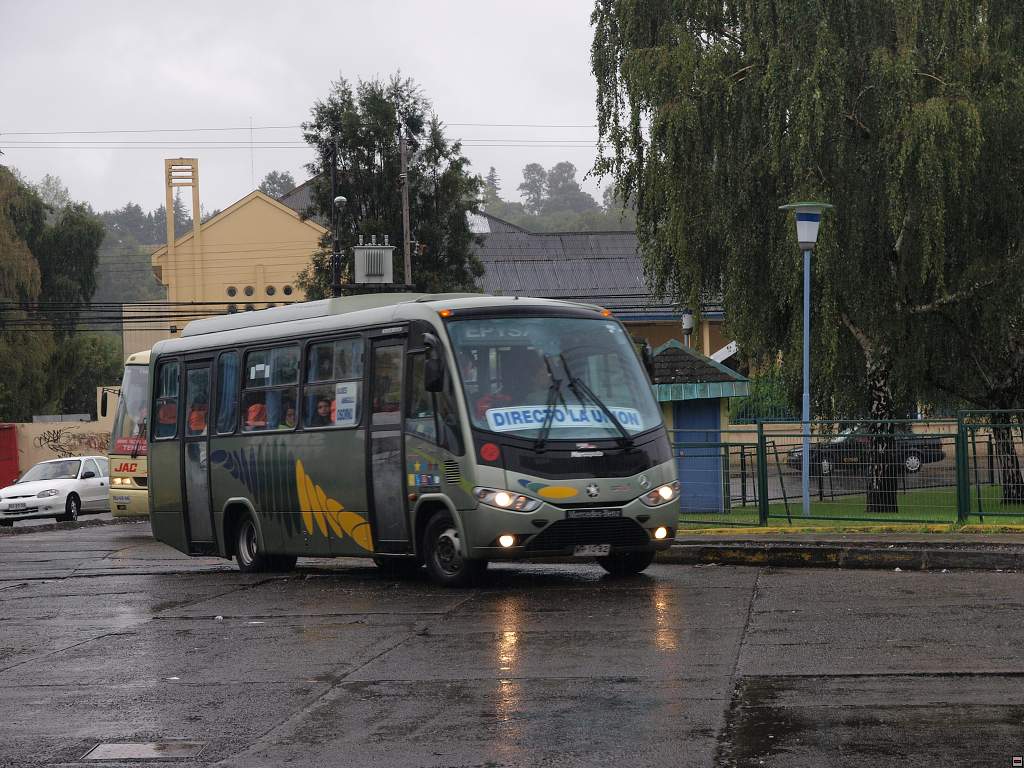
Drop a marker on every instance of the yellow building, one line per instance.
(246, 257)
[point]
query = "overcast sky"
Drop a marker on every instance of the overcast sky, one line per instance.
(131, 66)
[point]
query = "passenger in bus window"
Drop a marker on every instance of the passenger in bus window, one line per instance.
(167, 418)
(197, 416)
(322, 416)
(289, 416)
(256, 417)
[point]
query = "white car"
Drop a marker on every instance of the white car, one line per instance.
(59, 488)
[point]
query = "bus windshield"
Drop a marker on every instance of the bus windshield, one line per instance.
(129, 432)
(513, 368)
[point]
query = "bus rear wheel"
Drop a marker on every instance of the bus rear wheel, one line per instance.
(626, 563)
(247, 552)
(443, 554)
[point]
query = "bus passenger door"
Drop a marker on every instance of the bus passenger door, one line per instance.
(196, 445)
(385, 461)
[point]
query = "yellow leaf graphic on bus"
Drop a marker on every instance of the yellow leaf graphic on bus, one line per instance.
(321, 511)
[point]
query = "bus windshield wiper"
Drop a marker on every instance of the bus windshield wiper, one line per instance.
(580, 389)
(136, 447)
(554, 395)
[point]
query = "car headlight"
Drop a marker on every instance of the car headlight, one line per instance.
(506, 499)
(47, 493)
(663, 494)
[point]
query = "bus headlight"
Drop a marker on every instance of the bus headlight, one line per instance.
(662, 494)
(505, 499)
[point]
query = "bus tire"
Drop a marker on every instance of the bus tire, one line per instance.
(443, 557)
(247, 553)
(626, 563)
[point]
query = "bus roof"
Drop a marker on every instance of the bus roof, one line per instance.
(138, 358)
(346, 312)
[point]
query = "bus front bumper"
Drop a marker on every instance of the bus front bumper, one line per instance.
(558, 532)
(129, 502)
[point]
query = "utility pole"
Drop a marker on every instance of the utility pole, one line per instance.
(335, 214)
(405, 207)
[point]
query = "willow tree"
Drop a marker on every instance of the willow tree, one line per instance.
(712, 113)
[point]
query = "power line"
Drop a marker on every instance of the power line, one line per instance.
(272, 128)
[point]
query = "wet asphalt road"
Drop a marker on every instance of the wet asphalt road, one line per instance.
(107, 636)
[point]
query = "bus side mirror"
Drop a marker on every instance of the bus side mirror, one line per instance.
(103, 404)
(648, 355)
(433, 375)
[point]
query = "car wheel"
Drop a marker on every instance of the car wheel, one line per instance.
(626, 563)
(71, 509)
(912, 462)
(247, 552)
(443, 554)
(397, 567)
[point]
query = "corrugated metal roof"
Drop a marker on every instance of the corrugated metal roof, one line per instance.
(300, 200)
(603, 267)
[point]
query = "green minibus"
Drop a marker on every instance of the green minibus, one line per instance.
(442, 430)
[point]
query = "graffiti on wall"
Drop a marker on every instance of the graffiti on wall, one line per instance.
(68, 441)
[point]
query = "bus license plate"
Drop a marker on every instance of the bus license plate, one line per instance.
(591, 550)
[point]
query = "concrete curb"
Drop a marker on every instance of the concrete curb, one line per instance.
(830, 555)
(80, 523)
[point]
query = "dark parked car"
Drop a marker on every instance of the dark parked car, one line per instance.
(850, 450)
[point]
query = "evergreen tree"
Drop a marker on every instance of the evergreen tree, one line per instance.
(277, 183)
(534, 188)
(358, 130)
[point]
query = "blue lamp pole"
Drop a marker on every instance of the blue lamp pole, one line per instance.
(808, 220)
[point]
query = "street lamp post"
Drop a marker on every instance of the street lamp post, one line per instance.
(808, 220)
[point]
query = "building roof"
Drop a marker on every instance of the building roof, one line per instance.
(300, 200)
(159, 253)
(685, 374)
(600, 267)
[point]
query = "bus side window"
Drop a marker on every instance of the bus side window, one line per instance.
(448, 417)
(419, 405)
(166, 401)
(270, 389)
(227, 393)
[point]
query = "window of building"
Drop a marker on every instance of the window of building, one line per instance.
(249, 290)
(271, 290)
(270, 392)
(232, 291)
(287, 290)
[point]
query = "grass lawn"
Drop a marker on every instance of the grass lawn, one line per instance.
(922, 508)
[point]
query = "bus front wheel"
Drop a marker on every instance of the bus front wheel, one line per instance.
(443, 554)
(626, 563)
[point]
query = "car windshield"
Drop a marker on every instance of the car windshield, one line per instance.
(508, 366)
(53, 470)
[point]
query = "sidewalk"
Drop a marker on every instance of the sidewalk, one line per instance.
(906, 551)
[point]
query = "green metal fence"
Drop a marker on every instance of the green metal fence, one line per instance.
(940, 471)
